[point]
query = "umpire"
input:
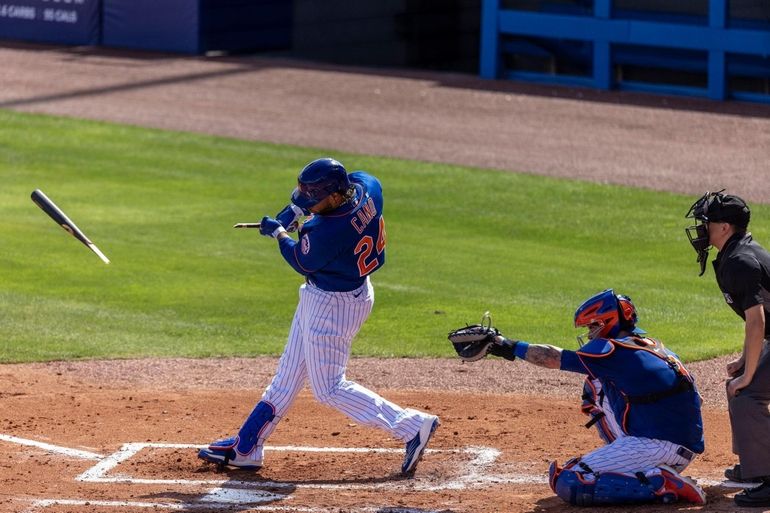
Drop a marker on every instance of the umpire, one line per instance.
(742, 269)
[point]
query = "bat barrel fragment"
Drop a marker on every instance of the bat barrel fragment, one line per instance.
(55, 213)
(99, 253)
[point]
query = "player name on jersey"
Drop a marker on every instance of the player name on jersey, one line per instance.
(364, 216)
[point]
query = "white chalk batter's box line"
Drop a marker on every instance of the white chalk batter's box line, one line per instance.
(472, 474)
(247, 495)
(45, 503)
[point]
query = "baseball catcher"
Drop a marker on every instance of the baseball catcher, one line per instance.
(638, 394)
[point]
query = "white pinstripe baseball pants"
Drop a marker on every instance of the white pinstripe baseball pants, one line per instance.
(318, 349)
(631, 453)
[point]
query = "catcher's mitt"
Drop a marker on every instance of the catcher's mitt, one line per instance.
(473, 342)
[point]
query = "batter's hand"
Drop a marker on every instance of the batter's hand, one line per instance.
(735, 385)
(289, 217)
(270, 227)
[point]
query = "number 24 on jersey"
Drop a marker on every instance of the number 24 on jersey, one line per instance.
(368, 262)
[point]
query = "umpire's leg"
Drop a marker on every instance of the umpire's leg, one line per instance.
(750, 421)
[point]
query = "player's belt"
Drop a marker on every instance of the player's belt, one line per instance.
(685, 453)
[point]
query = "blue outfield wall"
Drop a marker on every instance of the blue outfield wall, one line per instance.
(167, 25)
(68, 22)
(604, 40)
(197, 26)
(183, 26)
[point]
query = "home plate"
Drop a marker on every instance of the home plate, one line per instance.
(240, 496)
(733, 484)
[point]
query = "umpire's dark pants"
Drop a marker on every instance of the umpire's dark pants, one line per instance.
(750, 421)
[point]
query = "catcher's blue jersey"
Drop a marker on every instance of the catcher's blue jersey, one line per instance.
(649, 396)
(336, 251)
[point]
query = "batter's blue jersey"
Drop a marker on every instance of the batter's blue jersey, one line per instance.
(336, 251)
(643, 389)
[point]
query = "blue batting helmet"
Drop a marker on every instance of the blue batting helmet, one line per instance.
(607, 314)
(319, 179)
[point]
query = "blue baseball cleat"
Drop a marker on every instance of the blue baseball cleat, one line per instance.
(416, 446)
(222, 452)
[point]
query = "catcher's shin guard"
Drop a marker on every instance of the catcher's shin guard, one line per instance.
(657, 485)
(579, 490)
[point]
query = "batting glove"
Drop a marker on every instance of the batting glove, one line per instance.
(289, 217)
(270, 227)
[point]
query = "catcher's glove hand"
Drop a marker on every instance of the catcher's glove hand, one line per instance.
(474, 342)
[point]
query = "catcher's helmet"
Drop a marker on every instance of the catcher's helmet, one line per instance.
(607, 314)
(714, 207)
(319, 179)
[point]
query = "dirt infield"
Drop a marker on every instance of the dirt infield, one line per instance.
(118, 436)
(491, 453)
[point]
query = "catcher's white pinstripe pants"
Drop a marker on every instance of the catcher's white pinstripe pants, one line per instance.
(318, 349)
(631, 453)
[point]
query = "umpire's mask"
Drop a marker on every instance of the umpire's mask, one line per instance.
(714, 206)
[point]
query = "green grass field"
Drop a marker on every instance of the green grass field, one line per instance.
(182, 282)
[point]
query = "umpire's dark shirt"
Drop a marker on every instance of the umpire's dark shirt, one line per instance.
(742, 269)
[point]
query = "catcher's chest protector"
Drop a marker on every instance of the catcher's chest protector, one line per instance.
(648, 389)
(656, 348)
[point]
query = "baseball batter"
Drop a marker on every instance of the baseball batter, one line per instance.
(640, 397)
(340, 245)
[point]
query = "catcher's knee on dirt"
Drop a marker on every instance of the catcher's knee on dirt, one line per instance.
(583, 489)
(257, 427)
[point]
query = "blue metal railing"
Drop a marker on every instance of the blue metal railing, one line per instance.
(604, 31)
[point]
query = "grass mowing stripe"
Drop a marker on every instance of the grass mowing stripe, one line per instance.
(183, 283)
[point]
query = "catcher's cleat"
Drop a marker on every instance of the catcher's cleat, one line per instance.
(416, 446)
(222, 453)
(679, 488)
